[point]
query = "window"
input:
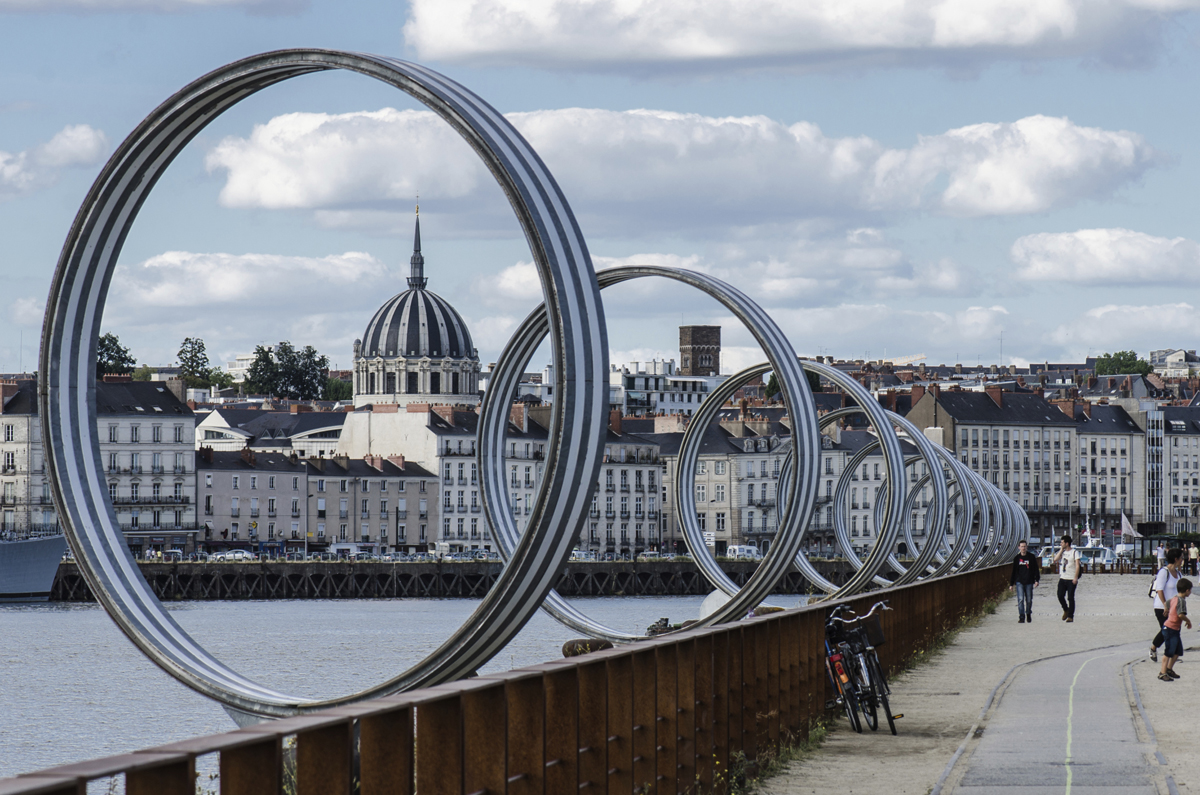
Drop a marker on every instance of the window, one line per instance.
(113, 435)
(720, 525)
(208, 480)
(271, 482)
(253, 482)
(156, 434)
(320, 484)
(236, 478)
(8, 433)
(178, 434)
(719, 467)
(719, 492)
(700, 493)
(296, 484)
(134, 433)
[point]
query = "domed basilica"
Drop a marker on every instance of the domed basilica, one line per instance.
(416, 349)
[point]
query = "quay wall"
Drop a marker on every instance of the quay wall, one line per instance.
(372, 580)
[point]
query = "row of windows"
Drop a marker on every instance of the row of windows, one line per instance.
(135, 434)
(252, 483)
(999, 438)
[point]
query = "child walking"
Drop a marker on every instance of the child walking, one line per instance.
(1176, 618)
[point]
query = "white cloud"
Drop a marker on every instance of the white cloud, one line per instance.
(260, 7)
(629, 171)
(853, 329)
(1127, 327)
(320, 301)
(39, 167)
(27, 311)
(305, 160)
(1107, 256)
(649, 35)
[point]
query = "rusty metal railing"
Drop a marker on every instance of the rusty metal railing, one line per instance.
(667, 715)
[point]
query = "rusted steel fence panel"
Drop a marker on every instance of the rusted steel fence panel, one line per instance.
(667, 715)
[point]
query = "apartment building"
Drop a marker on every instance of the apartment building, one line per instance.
(1016, 440)
(252, 501)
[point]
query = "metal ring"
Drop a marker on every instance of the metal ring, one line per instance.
(67, 396)
(797, 397)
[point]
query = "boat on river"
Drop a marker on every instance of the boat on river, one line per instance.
(28, 563)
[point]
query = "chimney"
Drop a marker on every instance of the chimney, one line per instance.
(7, 390)
(519, 416)
(918, 392)
(936, 390)
(614, 421)
(1012, 369)
(206, 453)
(118, 378)
(1066, 406)
(891, 400)
(1087, 409)
(178, 388)
(248, 456)
(958, 368)
(445, 412)
(996, 394)
(398, 460)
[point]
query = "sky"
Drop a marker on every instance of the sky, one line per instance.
(977, 181)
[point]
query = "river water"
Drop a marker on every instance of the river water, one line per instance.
(72, 687)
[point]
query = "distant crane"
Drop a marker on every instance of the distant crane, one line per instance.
(899, 360)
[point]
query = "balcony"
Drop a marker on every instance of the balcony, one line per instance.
(343, 514)
(296, 513)
(610, 487)
(624, 514)
(652, 514)
(365, 515)
(270, 514)
(208, 511)
(638, 487)
(595, 514)
(234, 512)
(253, 513)
(180, 470)
(383, 515)
(625, 488)
(402, 513)
(462, 481)
(610, 514)
(423, 515)
(476, 509)
(156, 470)
(639, 515)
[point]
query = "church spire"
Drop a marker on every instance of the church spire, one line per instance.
(416, 277)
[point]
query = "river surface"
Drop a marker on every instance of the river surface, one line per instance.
(72, 687)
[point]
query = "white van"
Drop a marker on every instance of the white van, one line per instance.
(743, 552)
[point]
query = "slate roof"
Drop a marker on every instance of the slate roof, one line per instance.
(263, 462)
(1105, 419)
(139, 399)
(1020, 408)
(1181, 420)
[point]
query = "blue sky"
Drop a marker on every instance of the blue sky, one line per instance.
(887, 178)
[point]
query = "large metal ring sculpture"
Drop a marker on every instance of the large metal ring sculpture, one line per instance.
(67, 391)
(572, 316)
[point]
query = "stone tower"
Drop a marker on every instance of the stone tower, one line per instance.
(699, 350)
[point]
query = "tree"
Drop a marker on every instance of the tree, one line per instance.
(814, 383)
(288, 372)
(337, 389)
(143, 373)
(193, 363)
(1122, 363)
(263, 376)
(112, 357)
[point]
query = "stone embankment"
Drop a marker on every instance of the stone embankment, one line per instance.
(370, 580)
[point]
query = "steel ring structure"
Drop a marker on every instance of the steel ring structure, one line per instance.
(69, 341)
(987, 523)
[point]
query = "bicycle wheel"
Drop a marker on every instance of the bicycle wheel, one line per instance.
(850, 702)
(878, 677)
(867, 693)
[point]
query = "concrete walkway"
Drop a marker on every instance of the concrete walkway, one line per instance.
(1029, 709)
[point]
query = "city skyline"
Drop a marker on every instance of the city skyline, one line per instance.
(921, 184)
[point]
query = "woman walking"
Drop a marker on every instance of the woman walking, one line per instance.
(1166, 585)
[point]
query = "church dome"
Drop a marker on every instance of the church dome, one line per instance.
(417, 323)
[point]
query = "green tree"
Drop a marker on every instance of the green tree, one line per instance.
(288, 372)
(263, 376)
(112, 357)
(337, 389)
(143, 373)
(193, 362)
(814, 383)
(219, 379)
(1122, 363)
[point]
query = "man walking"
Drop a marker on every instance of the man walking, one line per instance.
(1026, 574)
(1160, 554)
(1069, 568)
(1193, 557)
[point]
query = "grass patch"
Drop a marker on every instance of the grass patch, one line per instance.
(744, 775)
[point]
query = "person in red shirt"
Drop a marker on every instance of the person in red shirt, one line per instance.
(1176, 618)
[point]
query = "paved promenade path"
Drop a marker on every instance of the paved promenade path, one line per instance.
(1030, 709)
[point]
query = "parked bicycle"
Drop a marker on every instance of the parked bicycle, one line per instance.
(853, 665)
